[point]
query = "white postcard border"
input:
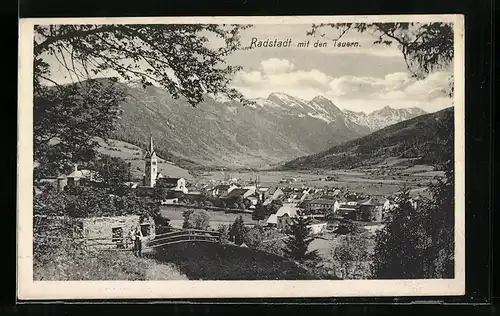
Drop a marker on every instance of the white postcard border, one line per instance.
(51, 290)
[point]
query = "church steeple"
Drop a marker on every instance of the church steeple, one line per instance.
(151, 149)
(150, 152)
(151, 168)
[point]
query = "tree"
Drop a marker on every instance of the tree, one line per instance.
(114, 171)
(299, 238)
(174, 56)
(67, 121)
(401, 247)
(196, 219)
(259, 213)
(349, 256)
(159, 193)
(224, 232)
(254, 237)
(238, 231)
(93, 202)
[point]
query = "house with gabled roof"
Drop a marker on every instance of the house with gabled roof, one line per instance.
(242, 192)
(173, 184)
(223, 190)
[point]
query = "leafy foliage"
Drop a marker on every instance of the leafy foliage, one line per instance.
(416, 243)
(224, 232)
(113, 171)
(66, 121)
(175, 56)
(299, 239)
(425, 46)
(254, 237)
(93, 202)
(349, 256)
(238, 231)
(400, 245)
(196, 219)
(259, 213)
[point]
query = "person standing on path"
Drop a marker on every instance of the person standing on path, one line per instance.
(138, 241)
(133, 238)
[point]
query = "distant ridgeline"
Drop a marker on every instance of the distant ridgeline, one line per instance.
(422, 137)
(140, 140)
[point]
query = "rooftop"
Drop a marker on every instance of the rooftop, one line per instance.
(288, 209)
(322, 201)
(237, 192)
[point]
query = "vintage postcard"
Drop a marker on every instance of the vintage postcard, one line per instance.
(241, 157)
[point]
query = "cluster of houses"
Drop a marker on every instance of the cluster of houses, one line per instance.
(317, 203)
(331, 204)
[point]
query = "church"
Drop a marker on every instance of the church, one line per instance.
(152, 176)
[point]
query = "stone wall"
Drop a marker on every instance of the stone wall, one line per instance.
(113, 231)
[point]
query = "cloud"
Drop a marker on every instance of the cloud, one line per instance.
(396, 89)
(276, 66)
(435, 85)
(279, 75)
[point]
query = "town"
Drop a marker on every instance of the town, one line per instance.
(330, 211)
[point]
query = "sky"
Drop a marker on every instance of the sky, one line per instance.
(364, 78)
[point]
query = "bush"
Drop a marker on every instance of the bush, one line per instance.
(238, 231)
(224, 233)
(196, 219)
(254, 237)
(349, 256)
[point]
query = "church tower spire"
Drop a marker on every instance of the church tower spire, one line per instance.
(151, 165)
(151, 149)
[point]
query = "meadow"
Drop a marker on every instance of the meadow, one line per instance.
(216, 218)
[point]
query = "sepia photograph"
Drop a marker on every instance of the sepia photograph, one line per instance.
(298, 156)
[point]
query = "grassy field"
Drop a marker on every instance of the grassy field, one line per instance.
(210, 261)
(80, 265)
(216, 218)
(135, 155)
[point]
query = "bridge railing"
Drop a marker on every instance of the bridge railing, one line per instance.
(184, 235)
(171, 237)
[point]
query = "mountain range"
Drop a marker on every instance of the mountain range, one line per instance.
(384, 117)
(425, 138)
(225, 133)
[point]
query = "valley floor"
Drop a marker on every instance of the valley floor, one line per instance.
(375, 180)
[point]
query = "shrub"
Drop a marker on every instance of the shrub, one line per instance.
(196, 219)
(238, 231)
(349, 256)
(224, 233)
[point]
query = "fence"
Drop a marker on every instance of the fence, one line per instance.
(168, 238)
(184, 235)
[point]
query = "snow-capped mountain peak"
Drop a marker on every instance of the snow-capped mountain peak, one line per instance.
(386, 116)
(324, 109)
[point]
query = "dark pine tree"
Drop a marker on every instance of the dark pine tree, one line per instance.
(299, 238)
